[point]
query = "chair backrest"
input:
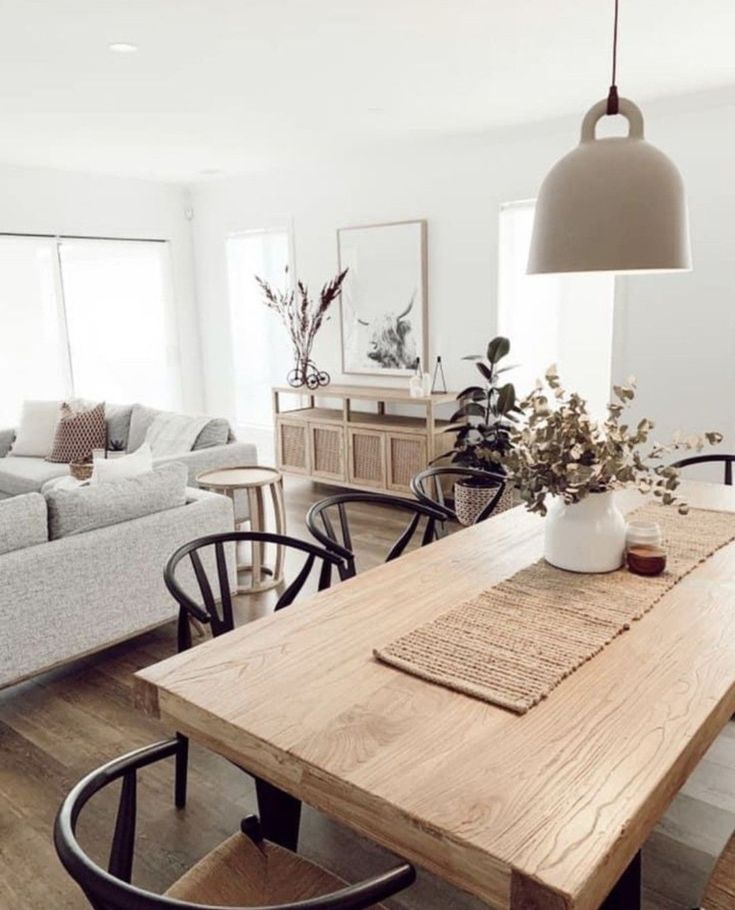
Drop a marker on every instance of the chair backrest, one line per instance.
(216, 595)
(328, 520)
(428, 487)
(727, 460)
(111, 889)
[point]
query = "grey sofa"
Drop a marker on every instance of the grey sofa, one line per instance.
(215, 448)
(64, 598)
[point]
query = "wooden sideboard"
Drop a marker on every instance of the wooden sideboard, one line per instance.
(366, 448)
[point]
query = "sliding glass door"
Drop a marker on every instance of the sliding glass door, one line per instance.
(86, 319)
(261, 352)
(117, 297)
(33, 359)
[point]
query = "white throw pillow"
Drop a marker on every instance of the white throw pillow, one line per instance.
(110, 469)
(34, 436)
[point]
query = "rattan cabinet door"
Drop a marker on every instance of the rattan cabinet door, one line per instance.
(366, 453)
(327, 451)
(292, 438)
(406, 456)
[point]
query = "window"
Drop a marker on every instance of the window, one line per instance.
(85, 318)
(261, 352)
(561, 319)
(33, 358)
(118, 304)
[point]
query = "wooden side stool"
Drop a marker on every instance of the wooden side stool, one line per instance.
(254, 480)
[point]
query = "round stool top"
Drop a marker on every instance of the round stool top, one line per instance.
(239, 478)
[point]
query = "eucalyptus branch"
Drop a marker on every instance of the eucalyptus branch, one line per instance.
(561, 451)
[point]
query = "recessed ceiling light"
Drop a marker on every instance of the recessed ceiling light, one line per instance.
(123, 47)
(210, 171)
(376, 110)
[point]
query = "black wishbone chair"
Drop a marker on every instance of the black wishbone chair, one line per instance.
(216, 610)
(329, 523)
(427, 487)
(727, 460)
(245, 871)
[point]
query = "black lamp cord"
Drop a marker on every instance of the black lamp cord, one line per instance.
(612, 97)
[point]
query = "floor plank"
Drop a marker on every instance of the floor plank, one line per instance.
(56, 727)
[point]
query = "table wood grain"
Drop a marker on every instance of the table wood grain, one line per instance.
(544, 810)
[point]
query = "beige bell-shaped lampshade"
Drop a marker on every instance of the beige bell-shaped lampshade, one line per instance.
(611, 205)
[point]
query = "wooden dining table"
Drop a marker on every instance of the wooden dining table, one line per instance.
(542, 811)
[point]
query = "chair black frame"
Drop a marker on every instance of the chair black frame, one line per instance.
(111, 889)
(728, 461)
(222, 620)
(419, 490)
(328, 536)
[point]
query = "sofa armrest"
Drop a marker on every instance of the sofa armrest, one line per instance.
(195, 494)
(233, 455)
(7, 437)
(76, 594)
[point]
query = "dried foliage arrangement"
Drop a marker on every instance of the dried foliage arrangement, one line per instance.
(301, 315)
(557, 449)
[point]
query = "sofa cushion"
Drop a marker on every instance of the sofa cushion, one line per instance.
(109, 470)
(215, 433)
(89, 507)
(118, 418)
(78, 433)
(141, 418)
(7, 438)
(27, 475)
(35, 433)
(22, 522)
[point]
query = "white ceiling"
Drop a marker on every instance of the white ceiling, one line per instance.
(237, 85)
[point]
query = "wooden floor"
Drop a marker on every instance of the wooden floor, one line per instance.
(56, 727)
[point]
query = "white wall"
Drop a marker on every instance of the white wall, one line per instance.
(35, 200)
(675, 333)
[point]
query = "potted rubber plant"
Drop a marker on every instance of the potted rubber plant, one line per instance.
(484, 421)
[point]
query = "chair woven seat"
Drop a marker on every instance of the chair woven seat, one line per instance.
(720, 891)
(241, 873)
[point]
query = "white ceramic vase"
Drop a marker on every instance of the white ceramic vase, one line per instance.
(587, 536)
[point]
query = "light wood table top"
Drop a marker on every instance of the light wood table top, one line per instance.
(369, 393)
(543, 810)
(238, 478)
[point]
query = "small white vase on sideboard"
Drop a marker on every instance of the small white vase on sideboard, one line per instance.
(586, 536)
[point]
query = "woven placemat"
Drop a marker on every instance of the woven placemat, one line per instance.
(513, 644)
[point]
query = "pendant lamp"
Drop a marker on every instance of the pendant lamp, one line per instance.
(611, 205)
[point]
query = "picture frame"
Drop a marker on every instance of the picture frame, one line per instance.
(384, 300)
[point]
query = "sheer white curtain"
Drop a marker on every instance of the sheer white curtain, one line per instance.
(86, 318)
(33, 355)
(561, 319)
(260, 348)
(122, 336)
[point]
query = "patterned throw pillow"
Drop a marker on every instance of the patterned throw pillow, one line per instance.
(77, 433)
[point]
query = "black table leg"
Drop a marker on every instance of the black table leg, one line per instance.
(280, 814)
(626, 895)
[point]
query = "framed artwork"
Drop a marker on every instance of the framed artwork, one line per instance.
(383, 304)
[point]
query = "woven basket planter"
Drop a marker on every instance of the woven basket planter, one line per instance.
(469, 501)
(81, 470)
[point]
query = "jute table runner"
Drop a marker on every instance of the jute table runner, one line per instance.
(513, 644)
